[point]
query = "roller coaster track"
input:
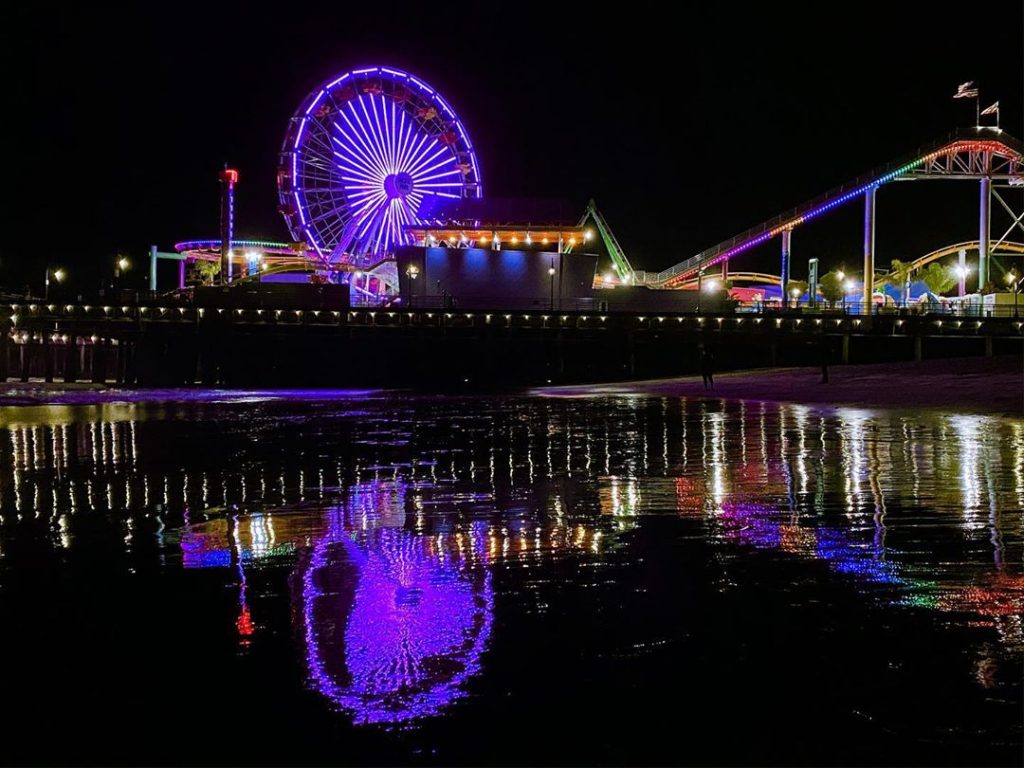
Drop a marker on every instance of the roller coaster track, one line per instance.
(970, 245)
(968, 154)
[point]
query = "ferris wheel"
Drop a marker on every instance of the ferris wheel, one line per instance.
(367, 154)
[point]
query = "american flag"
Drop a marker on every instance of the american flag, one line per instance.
(993, 110)
(966, 91)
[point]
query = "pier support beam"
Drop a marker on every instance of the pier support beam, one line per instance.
(869, 249)
(787, 235)
(984, 219)
(152, 267)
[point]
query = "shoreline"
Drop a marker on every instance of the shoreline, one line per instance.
(979, 385)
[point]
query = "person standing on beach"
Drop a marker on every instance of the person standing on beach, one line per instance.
(707, 370)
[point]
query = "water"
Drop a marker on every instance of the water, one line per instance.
(370, 578)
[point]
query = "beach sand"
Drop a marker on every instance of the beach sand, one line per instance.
(992, 385)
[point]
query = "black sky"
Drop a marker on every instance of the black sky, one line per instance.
(687, 124)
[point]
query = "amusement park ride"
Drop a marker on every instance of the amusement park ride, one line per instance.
(377, 159)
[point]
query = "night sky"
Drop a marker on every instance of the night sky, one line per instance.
(686, 127)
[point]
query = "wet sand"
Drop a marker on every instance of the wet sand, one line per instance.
(993, 385)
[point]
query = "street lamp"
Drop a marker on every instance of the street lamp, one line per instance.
(120, 265)
(1014, 282)
(795, 293)
(840, 275)
(847, 289)
(551, 274)
(962, 271)
(411, 272)
(58, 274)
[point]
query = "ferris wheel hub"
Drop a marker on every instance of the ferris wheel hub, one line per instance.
(398, 185)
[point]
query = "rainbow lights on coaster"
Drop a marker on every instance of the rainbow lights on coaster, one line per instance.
(366, 155)
(950, 149)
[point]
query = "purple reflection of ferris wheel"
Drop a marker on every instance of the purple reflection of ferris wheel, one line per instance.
(367, 154)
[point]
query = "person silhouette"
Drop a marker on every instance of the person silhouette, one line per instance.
(707, 368)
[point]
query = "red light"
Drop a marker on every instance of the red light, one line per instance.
(230, 175)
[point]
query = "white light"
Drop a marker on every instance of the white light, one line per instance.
(608, 278)
(711, 285)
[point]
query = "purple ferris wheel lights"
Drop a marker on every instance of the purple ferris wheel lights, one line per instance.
(373, 151)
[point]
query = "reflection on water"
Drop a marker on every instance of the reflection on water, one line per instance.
(394, 520)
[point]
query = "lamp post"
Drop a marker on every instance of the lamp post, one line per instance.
(58, 274)
(551, 275)
(120, 266)
(411, 272)
(962, 272)
(1014, 282)
(847, 289)
(795, 293)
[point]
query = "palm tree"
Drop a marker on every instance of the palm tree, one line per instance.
(938, 278)
(832, 286)
(899, 277)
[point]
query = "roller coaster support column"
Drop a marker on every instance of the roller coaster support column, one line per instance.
(983, 232)
(869, 249)
(784, 270)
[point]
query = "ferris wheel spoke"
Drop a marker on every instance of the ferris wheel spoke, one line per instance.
(317, 153)
(389, 130)
(359, 132)
(398, 124)
(382, 228)
(367, 208)
(404, 133)
(375, 137)
(353, 157)
(420, 166)
(424, 156)
(357, 176)
(414, 151)
(380, 134)
(453, 172)
(439, 194)
(367, 221)
(390, 126)
(358, 146)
